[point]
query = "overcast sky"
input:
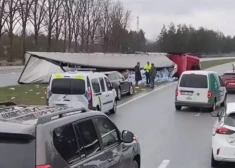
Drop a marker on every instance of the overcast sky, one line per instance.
(212, 14)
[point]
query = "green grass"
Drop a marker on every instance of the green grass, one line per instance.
(24, 94)
(209, 64)
(35, 94)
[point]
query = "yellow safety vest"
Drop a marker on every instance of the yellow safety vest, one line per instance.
(147, 68)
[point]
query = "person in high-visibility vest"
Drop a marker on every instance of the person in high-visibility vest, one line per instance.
(147, 69)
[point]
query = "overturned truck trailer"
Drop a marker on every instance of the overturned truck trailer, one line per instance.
(41, 65)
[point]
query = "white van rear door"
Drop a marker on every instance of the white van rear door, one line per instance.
(68, 92)
(193, 88)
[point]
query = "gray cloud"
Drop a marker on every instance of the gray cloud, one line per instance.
(214, 14)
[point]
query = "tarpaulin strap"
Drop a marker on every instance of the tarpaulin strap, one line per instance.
(79, 77)
(58, 76)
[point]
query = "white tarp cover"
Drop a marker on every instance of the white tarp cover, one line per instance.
(38, 68)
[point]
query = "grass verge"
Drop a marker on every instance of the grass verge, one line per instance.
(35, 94)
(209, 64)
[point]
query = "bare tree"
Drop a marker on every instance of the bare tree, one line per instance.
(38, 13)
(96, 16)
(76, 20)
(25, 6)
(12, 20)
(52, 6)
(3, 17)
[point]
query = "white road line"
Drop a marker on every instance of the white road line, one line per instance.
(164, 164)
(198, 114)
(139, 97)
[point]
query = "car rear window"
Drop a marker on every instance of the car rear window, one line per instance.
(229, 75)
(230, 120)
(68, 86)
(17, 152)
(193, 81)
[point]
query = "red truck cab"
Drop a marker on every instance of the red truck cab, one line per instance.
(184, 62)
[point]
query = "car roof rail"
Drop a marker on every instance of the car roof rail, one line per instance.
(60, 114)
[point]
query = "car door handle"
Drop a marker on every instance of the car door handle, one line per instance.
(110, 159)
(107, 95)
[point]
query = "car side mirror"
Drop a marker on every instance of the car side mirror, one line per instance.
(127, 136)
(122, 78)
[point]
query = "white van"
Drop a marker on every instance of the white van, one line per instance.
(200, 89)
(89, 89)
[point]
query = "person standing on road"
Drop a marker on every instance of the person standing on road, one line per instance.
(153, 73)
(138, 76)
(147, 68)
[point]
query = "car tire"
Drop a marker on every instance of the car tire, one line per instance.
(224, 102)
(134, 164)
(178, 108)
(114, 109)
(213, 108)
(131, 90)
(214, 163)
(118, 92)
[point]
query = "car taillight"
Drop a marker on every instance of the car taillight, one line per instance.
(44, 166)
(224, 131)
(89, 94)
(209, 94)
(177, 92)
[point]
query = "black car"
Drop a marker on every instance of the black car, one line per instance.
(120, 84)
(63, 137)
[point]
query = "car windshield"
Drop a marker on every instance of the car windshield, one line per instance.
(68, 86)
(194, 81)
(17, 153)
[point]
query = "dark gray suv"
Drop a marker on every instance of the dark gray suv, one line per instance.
(56, 137)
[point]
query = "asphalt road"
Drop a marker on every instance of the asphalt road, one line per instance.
(169, 139)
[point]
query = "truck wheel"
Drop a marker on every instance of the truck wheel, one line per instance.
(114, 109)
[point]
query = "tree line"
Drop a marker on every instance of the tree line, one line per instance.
(93, 26)
(187, 39)
(63, 26)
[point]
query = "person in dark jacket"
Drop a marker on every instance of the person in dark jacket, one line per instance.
(138, 76)
(153, 73)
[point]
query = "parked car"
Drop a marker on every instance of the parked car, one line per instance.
(63, 137)
(229, 80)
(223, 136)
(121, 85)
(203, 89)
(92, 90)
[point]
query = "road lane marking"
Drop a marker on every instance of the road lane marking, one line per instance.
(12, 73)
(164, 164)
(146, 94)
(198, 114)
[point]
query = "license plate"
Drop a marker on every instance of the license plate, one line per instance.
(187, 93)
(189, 98)
(61, 105)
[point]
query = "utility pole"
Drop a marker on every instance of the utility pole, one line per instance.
(138, 23)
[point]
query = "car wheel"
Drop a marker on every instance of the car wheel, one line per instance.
(131, 90)
(213, 108)
(177, 107)
(134, 164)
(119, 95)
(114, 109)
(214, 163)
(224, 102)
